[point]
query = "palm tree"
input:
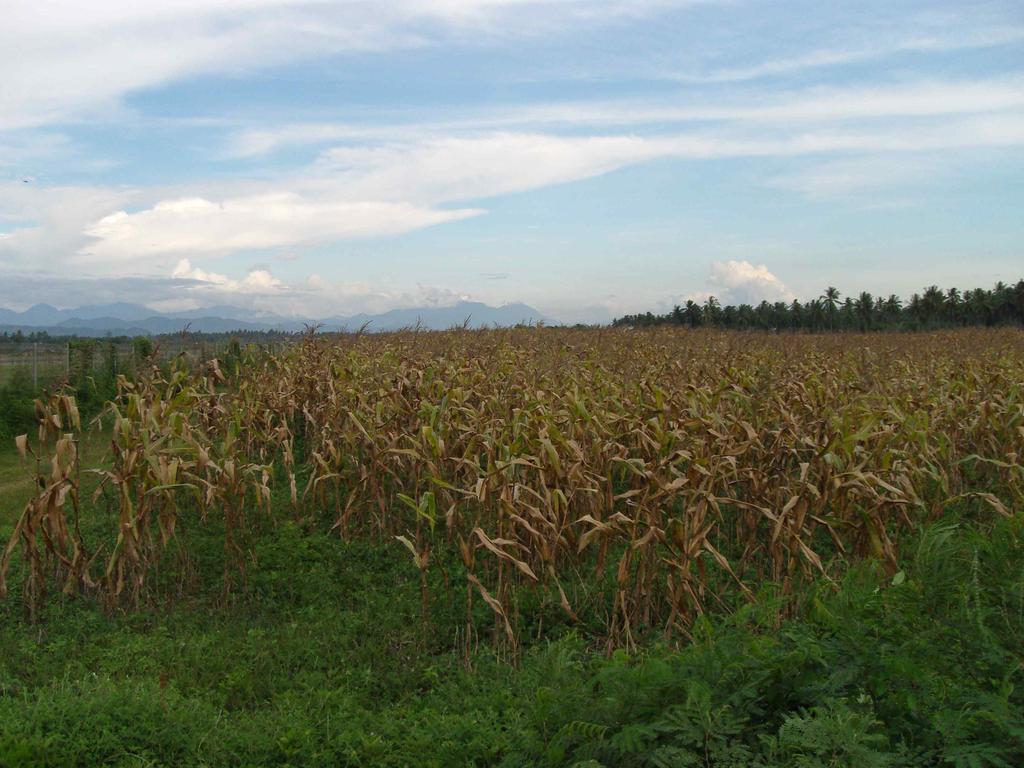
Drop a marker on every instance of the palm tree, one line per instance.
(865, 309)
(831, 298)
(730, 316)
(796, 315)
(931, 303)
(815, 313)
(848, 313)
(1002, 301)
(914, 307)
(692, 312)
(746, 315)
(712, 311)
(953, 305)
(780, 314)
(891, 308)
(934, 307)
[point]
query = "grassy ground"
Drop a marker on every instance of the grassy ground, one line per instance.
(15, 484)
(47, 370)
(15, 488)
(320, 661)
(16, 478)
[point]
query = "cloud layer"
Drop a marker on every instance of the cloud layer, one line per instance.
(272, 220)
(396, 187)
(67, 60)
(184, 141)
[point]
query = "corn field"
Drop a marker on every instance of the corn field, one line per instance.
(640, 477)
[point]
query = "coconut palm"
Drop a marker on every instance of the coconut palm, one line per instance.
(831, 299)
(865, 308)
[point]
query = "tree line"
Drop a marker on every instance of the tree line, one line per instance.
(932, 308)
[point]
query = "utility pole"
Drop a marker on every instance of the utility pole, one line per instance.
(35, 366)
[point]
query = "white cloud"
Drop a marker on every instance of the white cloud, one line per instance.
(189, 286)
(927, 41)
(315, 296)
(873, 173)
(252, 142)
(811, 107)
(921, 98)
(260, 281)
(257, 281)
(741, 282)
(276, 219)
(469, 168)
(186, 271)
(393, 188)
(46, 223)
(477, 167)
(64, 59)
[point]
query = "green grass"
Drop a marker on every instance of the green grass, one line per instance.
(48, 370)
(15, 489)
(16, 477)
(323, 661)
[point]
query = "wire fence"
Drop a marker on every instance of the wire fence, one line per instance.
(43, 364)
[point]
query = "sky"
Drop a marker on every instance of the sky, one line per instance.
(589, 158)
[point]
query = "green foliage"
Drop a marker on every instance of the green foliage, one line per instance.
(933, 308)
(142, 348)
(321, 661)
(101, 721)
(832, 735)
(93, 385)
(17, 414)
(924, 669)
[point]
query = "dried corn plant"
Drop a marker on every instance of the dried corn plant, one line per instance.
(646, 477)
(48, 529)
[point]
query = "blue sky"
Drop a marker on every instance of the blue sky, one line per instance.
(590, 158)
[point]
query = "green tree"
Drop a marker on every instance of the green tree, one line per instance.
(693, 313)
(865, 309)
(831, 299)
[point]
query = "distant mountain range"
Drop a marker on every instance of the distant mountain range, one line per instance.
(137, 320)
